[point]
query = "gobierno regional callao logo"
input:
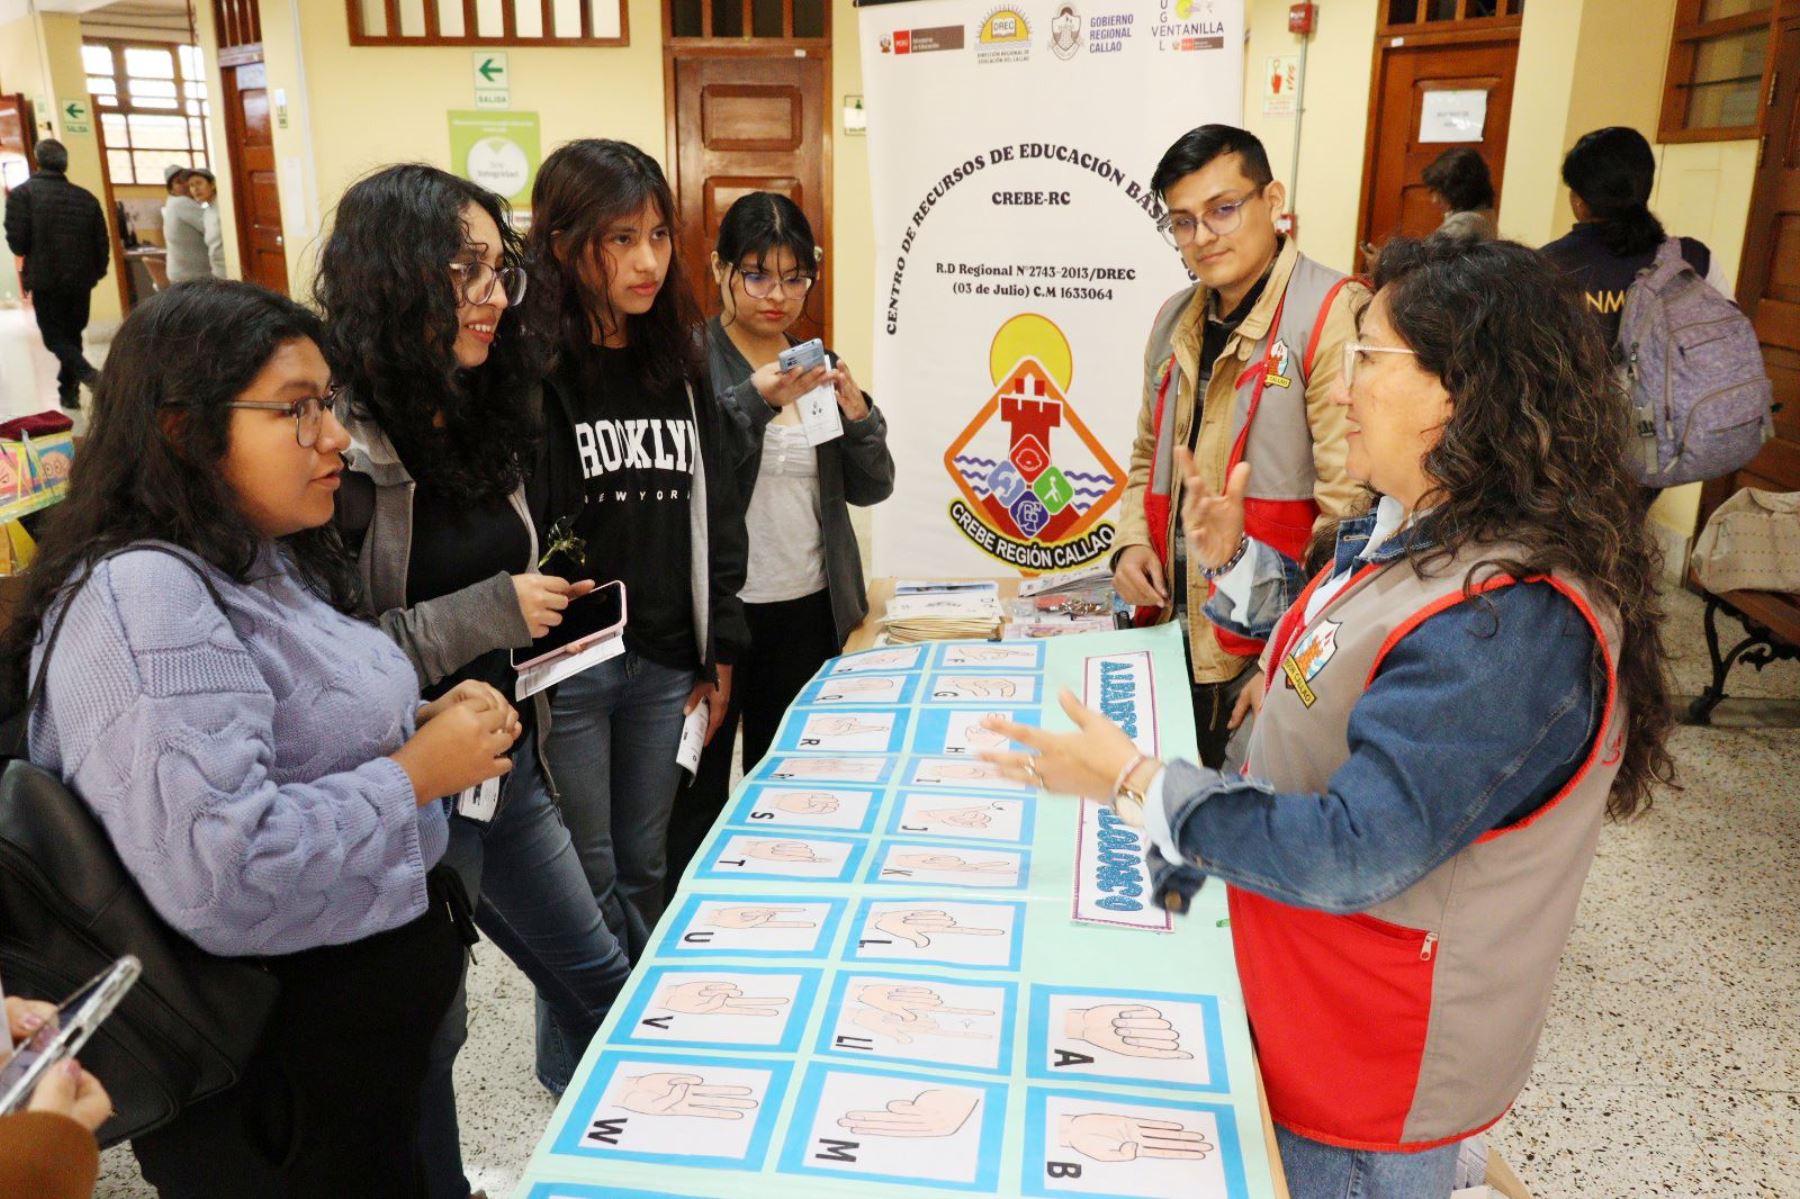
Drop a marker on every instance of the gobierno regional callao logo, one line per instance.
(1034, 482)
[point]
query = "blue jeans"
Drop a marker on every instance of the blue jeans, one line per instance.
(535, 905)
(1319, 1171)
(613, 734)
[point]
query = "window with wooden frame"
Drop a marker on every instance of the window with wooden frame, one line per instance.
(1720, 58)
(488, 23)
(152, 102)
(727, 23)
(1425, 15)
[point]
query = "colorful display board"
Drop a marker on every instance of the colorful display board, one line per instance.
(893, 970)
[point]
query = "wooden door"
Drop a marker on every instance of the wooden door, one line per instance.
(16, 141)
(745, 124)
(1769, 282)
(1395, 199)
(261, 251)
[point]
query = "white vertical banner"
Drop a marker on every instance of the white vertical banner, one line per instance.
(1018, 265)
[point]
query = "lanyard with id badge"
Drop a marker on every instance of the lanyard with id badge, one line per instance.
(820, 416)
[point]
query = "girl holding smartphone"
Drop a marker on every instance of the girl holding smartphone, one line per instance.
(803, 593)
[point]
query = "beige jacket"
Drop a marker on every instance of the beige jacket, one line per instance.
(1337, 495)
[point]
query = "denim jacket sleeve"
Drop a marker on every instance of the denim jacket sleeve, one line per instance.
(1274, 583)
(1477, 717)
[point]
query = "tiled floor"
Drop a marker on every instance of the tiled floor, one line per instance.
(1671, 1064)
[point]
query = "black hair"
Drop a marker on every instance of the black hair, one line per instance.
(1532, 458)
(1198, 147)
(1460, 175)
(150, 467)
(1613, 170)
(52, 155)
(390, 302)
(760, 223)
(582, 189)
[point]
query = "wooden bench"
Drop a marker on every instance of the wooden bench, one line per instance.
(1771, 621)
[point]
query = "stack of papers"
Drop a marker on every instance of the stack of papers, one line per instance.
(940, 617)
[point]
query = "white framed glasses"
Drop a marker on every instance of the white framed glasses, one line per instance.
(1354, 348)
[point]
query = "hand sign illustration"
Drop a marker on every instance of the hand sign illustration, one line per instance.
(962, 770)
(841, 688)
(1108, 1137)
(950, 863)
(757, 918)
(984, 688)
(782, 851)
(938, 1112)
(686, 1095)
(843, 726)
(1133, 1030)
(903, 1012)
(704, 997)
(976, 653)
(807, 803)
(980, 816)
(918, 926)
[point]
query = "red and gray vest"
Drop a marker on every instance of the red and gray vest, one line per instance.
(1414, 1023)
(1269, 426)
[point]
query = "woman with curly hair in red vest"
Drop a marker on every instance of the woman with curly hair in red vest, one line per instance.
(1449, 710)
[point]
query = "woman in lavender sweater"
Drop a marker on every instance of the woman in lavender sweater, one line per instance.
(258, 756)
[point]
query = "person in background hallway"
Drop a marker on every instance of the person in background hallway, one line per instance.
(205, 191)
(1461, 186)
(637, 468)
(48, 1151)
(209, 675)
(803, 593)
(419, 283)
(1610, 173)
(1451, 709)
(184, 229)
(1239, 371)
(60, 232)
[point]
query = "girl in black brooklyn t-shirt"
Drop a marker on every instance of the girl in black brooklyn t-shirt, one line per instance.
(636, 490)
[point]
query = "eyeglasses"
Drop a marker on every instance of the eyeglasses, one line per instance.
(476, 281)
(760, 285)
(1179, 229)
(1355, 348)
(308, 413)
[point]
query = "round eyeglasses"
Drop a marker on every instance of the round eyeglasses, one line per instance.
(1180, 228)
(477, 281)
(760, 285)
(308, 412)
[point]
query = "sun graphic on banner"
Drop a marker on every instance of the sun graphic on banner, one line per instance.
(1029, 335)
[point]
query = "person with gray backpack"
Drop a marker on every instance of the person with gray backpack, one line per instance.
(1687, 356)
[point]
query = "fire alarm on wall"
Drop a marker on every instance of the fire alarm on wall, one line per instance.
(1301, 17)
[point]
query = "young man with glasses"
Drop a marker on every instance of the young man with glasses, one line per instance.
(1237, 374)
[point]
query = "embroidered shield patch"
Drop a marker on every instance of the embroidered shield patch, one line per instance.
(1308, 658)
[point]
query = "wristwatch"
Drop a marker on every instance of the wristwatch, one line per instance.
(1128, 801)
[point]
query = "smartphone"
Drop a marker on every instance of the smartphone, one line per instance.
(802, 357)
(63, 1035)
(595, 617)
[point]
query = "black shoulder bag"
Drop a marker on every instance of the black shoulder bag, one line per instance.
(69, 909)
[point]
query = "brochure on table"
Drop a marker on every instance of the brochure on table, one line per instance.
(890, 969)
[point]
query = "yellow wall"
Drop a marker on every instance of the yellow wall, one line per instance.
(1339, 66)
(42, 58)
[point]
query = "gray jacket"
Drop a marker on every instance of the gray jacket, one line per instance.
(184, 237)
(854, 469)
(439, 636)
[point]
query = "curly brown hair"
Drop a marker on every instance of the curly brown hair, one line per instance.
(1533, 455)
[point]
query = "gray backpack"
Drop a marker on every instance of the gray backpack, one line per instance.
(1700, 394)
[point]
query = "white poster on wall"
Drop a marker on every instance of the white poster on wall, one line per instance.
(1453, 116)
(1018, 262)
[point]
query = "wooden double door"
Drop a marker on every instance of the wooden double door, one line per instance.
(1769, 281)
